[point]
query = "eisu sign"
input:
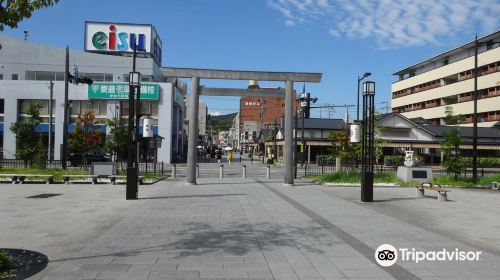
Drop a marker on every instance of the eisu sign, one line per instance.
(117, 38)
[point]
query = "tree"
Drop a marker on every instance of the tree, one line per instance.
(85, 136)
(27, 140)
(451, 145)
(341, 148)
(116, 140)
(14, 11)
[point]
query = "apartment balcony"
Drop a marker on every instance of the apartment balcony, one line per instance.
(492, 93)
(465, 98)
(492, 118)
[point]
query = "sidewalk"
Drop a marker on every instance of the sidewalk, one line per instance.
(220, 229)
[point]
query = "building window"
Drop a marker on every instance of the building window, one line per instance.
(44, 110)
(15, 77)
(98, 77)
(44, 76)
(81, 107)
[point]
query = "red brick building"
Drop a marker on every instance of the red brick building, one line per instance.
(263, 109)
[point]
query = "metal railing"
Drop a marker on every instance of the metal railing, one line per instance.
(314, 169)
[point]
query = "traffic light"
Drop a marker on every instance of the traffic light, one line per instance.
(305, 103)
(77, 81)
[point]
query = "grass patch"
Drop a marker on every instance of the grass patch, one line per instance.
(390, 177)
(450, 181)
(355, 178)
(59, 173)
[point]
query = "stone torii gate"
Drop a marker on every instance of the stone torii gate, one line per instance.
(196, 74)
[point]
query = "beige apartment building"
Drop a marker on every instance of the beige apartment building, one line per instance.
(426, 88)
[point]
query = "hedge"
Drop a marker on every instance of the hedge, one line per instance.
(482, 162)
(324, 160)
(395, 160)
(399, 160)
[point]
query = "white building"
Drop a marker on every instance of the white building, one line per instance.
(26, 70)
(202, 117)
(426, 88)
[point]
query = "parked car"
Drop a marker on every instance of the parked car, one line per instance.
(94, 155)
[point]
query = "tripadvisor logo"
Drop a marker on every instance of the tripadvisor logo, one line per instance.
(387, 255)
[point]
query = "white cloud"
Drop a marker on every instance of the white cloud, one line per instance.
(393, 23)
(215, 113)
(334, 32)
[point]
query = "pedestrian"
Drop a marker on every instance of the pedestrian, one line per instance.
(218, 156)
(251, 155)
(212, 152)
(229, 156)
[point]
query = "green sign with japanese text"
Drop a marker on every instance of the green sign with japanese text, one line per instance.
(120, 91)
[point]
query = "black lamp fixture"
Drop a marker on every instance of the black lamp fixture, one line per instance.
(366, 74)
(134, 79)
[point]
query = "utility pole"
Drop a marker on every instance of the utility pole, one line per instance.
(65, 111)
(49, 150)
(474, 118)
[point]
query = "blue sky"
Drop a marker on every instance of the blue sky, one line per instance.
(340, 38)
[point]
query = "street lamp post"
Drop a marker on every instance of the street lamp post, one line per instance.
(305, 106)
(132, 171)
(366, 74)
(367, 145)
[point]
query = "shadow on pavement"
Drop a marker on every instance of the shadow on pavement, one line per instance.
(234, 239)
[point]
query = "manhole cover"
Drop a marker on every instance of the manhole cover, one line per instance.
(44, 195)
(26, 263)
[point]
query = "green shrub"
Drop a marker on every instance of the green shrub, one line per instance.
(6, 268)
(395, 160)
(483, 162)
(324, 160)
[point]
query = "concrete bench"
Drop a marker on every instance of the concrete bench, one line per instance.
(66, 178)
(442, 192)
(113, 178)
(20, 178)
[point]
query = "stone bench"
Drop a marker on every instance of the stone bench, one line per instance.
(113, 178)
(66, 178)
(442, 192)
(20, 178)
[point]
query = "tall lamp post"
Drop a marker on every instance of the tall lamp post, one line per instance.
(366, 74)
(368, 145)
(132, 171)
(305, 106)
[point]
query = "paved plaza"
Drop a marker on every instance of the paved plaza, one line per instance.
(251, 228)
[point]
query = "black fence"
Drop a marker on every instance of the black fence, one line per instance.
(144, 167)
(314, 169)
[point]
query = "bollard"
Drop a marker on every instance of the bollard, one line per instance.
(221, 171)
(174, 170)
(197, 171)
(244, 171)
(268, 172)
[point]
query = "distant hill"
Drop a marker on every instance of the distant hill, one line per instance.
(221, 122)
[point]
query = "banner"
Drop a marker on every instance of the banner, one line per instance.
(120, 91)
